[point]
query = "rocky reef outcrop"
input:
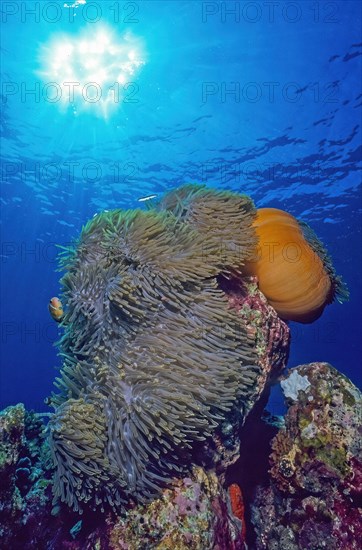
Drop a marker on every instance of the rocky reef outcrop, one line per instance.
(314, 498)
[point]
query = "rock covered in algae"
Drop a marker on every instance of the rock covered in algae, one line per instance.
(311, 502)
(314, 499)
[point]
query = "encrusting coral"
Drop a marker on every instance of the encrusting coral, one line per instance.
(154, 357)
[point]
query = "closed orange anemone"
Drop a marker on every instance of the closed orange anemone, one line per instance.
(293, 269)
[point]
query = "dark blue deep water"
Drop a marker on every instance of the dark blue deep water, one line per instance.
(258, 97)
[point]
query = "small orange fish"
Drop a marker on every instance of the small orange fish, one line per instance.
(56, 309)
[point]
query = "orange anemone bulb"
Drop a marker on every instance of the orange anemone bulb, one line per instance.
(293, 269)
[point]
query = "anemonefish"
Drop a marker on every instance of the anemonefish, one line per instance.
(56, 309)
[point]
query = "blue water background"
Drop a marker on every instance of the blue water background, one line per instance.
(300, 152)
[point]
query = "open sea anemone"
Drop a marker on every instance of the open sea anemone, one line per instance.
(154, 357)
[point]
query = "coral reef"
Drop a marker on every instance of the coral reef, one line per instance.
(311, 499)
(169, 349)
(154, 300)
(314, 498)
(25, 488)
(195, 514)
